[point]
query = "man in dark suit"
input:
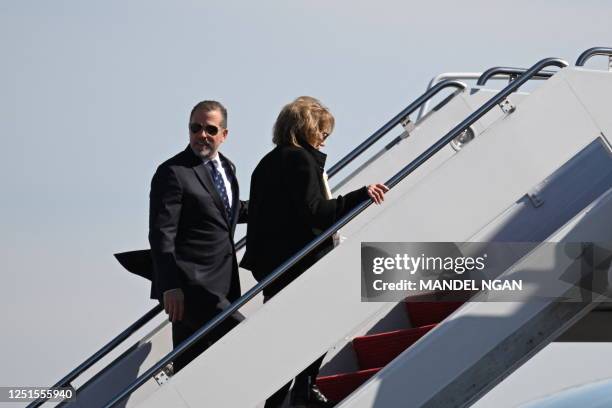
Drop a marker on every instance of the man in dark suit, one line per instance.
(194, 208)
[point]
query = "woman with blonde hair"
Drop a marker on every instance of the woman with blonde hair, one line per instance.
(290, 204)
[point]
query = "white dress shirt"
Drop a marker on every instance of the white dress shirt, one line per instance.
(226, 182)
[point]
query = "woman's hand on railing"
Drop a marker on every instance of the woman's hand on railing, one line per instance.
(377, 192)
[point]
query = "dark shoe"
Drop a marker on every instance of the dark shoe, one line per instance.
(315, 398)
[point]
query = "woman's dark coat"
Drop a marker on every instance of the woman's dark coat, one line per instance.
(288, 208)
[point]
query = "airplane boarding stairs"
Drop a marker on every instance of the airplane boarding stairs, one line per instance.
(554, 129)
(155, 344)
(481, 192)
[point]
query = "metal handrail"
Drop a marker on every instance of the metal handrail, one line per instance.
(443, 77)
(591, 52)
(511, 72)
(346, 160)
(110, 346)
(397, 119)
(408, 169)
(460, 76)
(241, 242)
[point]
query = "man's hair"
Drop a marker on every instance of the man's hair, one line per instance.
(300, 121)
(208, 106)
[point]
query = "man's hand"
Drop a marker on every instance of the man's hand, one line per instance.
(174, 304)
(377, 192)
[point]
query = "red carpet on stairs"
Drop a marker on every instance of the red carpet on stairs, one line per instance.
(339, 386)
(377, 350)
(374, 351)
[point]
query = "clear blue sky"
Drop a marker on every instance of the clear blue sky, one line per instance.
(94, 95)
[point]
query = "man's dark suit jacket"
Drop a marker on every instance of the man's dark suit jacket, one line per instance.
(192, 239)
(288, 208)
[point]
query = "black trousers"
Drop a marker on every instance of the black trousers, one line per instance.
(303, 381)
(200, 308)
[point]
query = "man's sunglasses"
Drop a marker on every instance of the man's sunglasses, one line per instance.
(209, 129)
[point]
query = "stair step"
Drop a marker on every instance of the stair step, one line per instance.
(338, 386)
(377, 350)
(426, 313)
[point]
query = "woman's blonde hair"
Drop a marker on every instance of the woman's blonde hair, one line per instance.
(301, 121)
